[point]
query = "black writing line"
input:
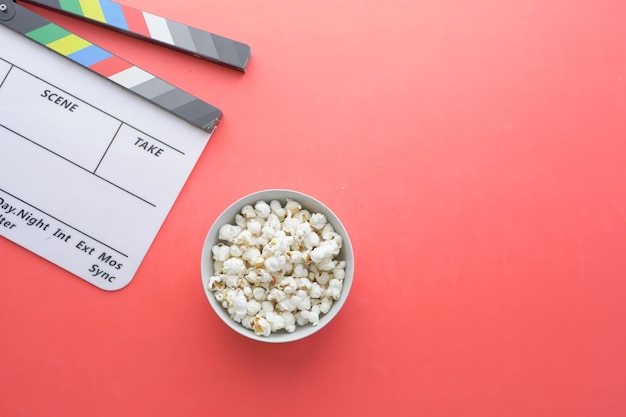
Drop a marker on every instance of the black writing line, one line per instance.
(76, 165)
(62, 222)
(6, 76)
(107, 149)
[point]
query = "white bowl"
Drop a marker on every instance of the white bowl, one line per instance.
(228, 217)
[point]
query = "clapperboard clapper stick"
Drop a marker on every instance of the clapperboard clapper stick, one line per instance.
(136, 23)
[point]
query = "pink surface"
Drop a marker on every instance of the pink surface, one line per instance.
(474, 151)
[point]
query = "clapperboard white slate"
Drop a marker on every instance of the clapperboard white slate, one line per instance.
(88, 171)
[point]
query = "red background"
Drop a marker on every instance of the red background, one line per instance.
(475, 152)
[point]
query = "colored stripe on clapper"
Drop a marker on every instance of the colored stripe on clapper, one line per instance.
(198, 42)
(116, 69)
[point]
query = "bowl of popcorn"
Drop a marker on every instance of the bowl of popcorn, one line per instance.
(277, 266)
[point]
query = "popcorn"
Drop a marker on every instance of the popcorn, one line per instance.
(267, 306)
(267, 231)
(279, 244)
(275, 263)
(334, 289)
(326, 250)
(300, 300)
(252, 277)
(300, 319)
(276, 321)
(228, 232)
(312, 316)
(220, 252)
(327, 231)
(230, 281)
(259, 293)
(299, 270)
(215, 282)
(276, 295)
(339, 273)
(261, 326)
(278, 209)
(295, 256)
(315, 291)
(317, 221)
(303, 216)
(250, 255)
(248, 212)
(325, 305)
(311, 240)
(276, 267)
(290, 224)
(253, 307)
(327, 264)
(304, 283)
(247, 291)
(286, 305)
(235, 251)
(240, 221)
(273, 221)
(290, 322)
(303, 229)
(288, 285)
(233, 266)
(239, 306)
(323, 278)
(292, 207)
(254, 226)
(262, 209)
(248, 322)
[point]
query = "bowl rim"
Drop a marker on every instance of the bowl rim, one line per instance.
(228, 215)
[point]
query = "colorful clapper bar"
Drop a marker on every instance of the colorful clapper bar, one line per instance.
(140, 24)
